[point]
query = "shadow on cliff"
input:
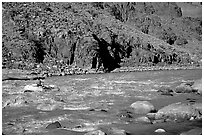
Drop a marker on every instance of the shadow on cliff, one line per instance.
(109, 55)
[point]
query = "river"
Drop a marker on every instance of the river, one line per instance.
(99, 101)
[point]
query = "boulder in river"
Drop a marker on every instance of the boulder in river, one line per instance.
(184, 88)
(177, 111)
(54, 125)
(142, 107)
(197, 86)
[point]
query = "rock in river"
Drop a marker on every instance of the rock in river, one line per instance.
(198, 107)
(160, 130)
(143, 119)
(198, 86)
(54, 125)
(33, 88)
(184, 88)
(117, 131)
(177, 111)
(166, 91)
(47, 107)
(142, 107)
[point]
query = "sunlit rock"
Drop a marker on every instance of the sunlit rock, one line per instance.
(176, 112)
(33, 88)
(184, 88)
(159, 130)
(142, 107)
(198, 86)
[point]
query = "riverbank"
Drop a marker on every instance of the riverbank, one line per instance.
(40, 73)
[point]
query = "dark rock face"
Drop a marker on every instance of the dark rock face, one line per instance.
(54, 125)
(108, 36)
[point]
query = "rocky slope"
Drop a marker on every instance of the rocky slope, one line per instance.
(102, 36)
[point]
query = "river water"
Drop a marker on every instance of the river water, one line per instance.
(100, 101)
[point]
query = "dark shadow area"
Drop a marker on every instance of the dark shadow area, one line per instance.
(109, 54)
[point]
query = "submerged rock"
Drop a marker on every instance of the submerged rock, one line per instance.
(96, 132)
(142, 107)
(143, 119)
(54, 125)
(125, 114)
(117, 131)
(83, 128)
(195, 131)
(47, 107)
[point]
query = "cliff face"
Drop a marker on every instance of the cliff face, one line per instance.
(100, 35)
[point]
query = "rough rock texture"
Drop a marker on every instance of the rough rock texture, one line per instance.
(166, 91)
(102, 36)
(142, 107)
(198, 107)
(177, 111)
(54, 125)
(183, 88)
(198, 86)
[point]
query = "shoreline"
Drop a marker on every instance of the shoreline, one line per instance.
(79, 71)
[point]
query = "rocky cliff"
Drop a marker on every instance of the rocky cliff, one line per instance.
(102, 36)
